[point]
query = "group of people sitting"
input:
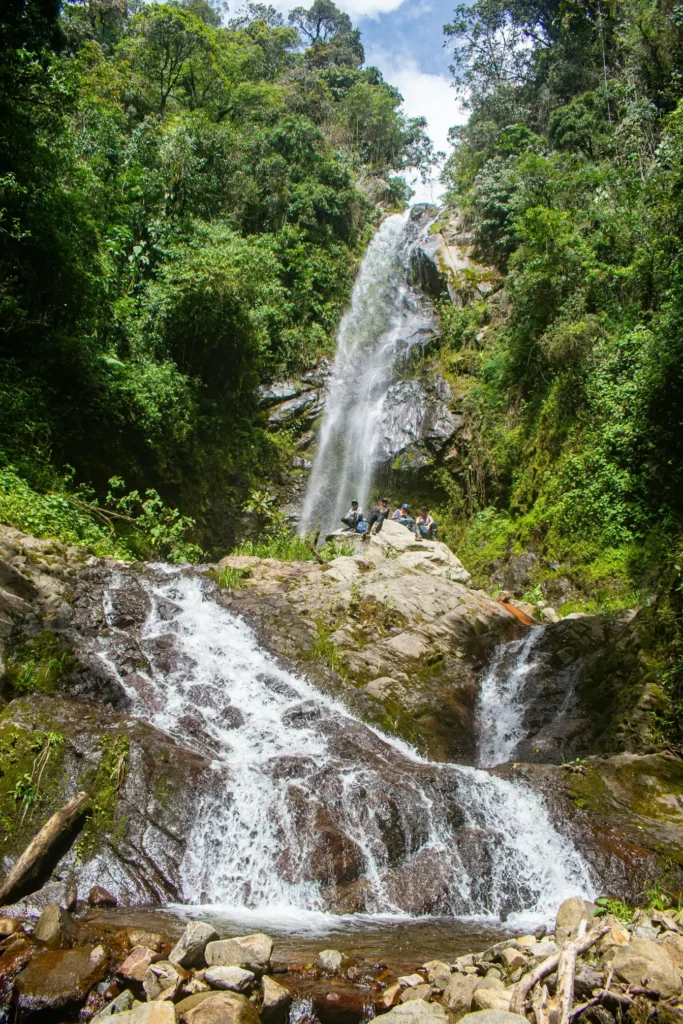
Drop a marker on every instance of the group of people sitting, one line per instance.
(423, 526)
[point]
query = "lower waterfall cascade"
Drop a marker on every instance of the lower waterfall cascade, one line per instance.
(292, 761)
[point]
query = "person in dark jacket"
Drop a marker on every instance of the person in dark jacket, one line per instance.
(377, 516)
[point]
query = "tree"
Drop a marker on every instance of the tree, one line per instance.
(320, 22)
(165, 47)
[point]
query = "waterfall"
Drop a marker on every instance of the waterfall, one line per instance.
(385, 319)
(501, 698)
(314, 810)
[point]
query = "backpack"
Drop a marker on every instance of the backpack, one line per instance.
(362, 527)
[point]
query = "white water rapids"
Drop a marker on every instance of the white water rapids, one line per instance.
(385, 319)
(313, 810)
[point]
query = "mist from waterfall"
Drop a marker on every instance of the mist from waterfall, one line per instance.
(385, 319)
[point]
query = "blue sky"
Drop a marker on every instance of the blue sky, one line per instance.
(404, 38)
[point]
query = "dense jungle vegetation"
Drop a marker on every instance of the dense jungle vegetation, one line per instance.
(570, 170)
(183, 204)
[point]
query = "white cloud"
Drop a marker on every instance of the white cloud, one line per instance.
(424, 95)
(356, 8)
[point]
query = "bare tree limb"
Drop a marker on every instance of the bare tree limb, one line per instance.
(547, 966)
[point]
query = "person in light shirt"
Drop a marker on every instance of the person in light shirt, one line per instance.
(353, 517)
(425, 527)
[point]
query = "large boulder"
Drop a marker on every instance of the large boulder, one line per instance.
(404, 645)
(276, 1002)
(251, 952)
(223, 1008)
(647, 963)
(189, 950)
(570, 914)
(60, 979)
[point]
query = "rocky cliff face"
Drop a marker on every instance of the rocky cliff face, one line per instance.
(393, 631)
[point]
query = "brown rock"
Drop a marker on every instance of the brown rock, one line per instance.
(8, 926)
(569, 915)
(141, 937)
(59, 978)
(136, 965)
(419, 992)
(223, 1008)
(389, 997)
(55, 926)
(99, 897)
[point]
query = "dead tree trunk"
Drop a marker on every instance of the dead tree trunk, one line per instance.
(39, 847)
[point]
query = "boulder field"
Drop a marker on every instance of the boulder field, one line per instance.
(594, 967)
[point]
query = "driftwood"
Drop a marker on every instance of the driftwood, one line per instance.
(547, 966)
(39, 847)
(314, 551)
(540, 1005)
(566, 969)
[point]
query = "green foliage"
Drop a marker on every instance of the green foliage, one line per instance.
(611, 905)
(232, 579)
(26, 786)
(104, 788)
(37, 665)
(569, 169)
(180, 223)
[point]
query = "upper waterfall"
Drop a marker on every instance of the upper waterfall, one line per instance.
(385, 319)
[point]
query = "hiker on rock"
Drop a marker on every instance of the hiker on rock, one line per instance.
(377, 516)
(425, 527)
(401, 516)
(353, 517)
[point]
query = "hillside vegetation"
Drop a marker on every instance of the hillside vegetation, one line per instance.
(570, 171)
(182, 208)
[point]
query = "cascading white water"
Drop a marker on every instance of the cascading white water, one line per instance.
(312, 799)
(385, 318)
(501, 698)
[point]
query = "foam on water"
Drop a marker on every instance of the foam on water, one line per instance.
(292, 763)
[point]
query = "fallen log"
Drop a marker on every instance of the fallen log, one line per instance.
(39, 847)
(547, 966)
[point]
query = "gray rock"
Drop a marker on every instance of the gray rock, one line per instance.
(276, 1002)
(458, 994)
(493, 1017)
(515, 575)
(123, 1002)
(236, 979)
(161, 978)
(417, 1011)
(570, 914)
(189, 950)
(329, 960)
(249, 951)
(647, 963)
(54, 926)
